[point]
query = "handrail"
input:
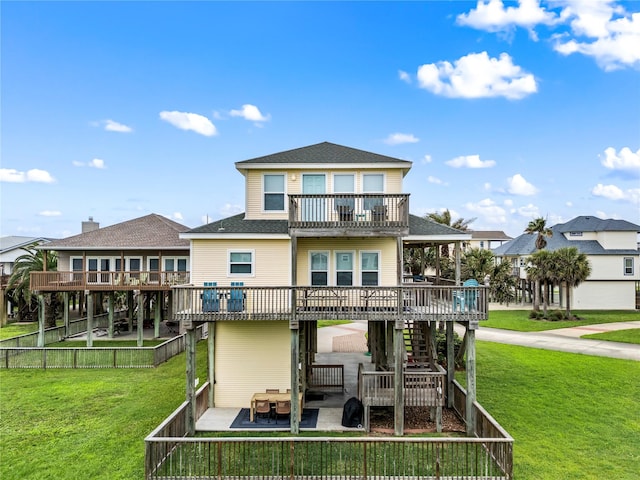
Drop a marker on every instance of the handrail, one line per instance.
(74, 281)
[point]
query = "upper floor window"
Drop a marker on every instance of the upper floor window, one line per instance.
(319, 268)
(628, 265)
(274, 192)
(175, 264)
(344, 268)
(344, 183)
(370, 269)
(241, 262)
(372, 183)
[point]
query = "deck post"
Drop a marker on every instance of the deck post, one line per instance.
(41, 316)
(110, 299)
(471, 380)
(295, 380)
(451, 364)
(89, 296)
(211, 330)
(457, 254)
(190, 346)
(157, 314)
(398, 378)
(140, 318)
(65, 314)
(130, 310)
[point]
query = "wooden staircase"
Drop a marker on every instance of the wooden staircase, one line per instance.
(416, 341)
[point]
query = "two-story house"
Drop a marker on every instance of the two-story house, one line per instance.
(322, 237)
(611, 249)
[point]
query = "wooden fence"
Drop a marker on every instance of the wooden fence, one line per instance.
(327, 377)
(94, 357)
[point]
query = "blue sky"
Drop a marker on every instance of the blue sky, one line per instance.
(508, 111)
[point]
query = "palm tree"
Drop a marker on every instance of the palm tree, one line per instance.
(32, 261)
(541, 269)
(573, 269)
(503, 284)
(539, 226)
(476, 263)
(444, 218)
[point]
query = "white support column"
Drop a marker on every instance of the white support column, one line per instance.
(140, 319)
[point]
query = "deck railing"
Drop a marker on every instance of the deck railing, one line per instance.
(411, 302)
(327, 377)
(351, 211)
(170, 454)
(105, 281)
(93, 357)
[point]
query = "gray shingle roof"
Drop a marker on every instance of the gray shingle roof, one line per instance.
(525, 244)
(489, 234)
(12, 242)
(426, 226)
(150, 231)
(324, 152)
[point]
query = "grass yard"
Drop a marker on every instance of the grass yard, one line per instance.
(567, 421)
(519, 319)
(631, 335)
(15, 329)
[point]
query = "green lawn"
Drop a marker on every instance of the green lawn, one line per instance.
(519, 319)
(13, 330)
(572, 416)
(631, 335)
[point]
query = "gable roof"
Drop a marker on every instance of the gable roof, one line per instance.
(489, 234)
(13, 242)
(418, 226)
(149, 232)
(525, 244)
(323, 153)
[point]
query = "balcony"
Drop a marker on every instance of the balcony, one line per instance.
(412, 302)
(105, 281)
(315, 215)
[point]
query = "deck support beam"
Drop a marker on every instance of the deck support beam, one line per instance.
(211, 362)
(398, 378)
(140, 319)
(451, 364)
(471, 380)
(295, 381)
(41, 316)
(157, 315)
(65, 314)
(110, 302)
(190, 346)
(89, 296)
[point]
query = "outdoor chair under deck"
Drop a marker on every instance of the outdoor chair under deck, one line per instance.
(283, 407)
(263, 407)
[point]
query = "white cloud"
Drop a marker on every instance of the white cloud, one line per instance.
(508, 202)
(492, 16)
(477, 76)
(250, 112)
(602, 30)
(50, 213)
(190, 121)
(177, 216)
(400, 138)
(11, 175)
(528, 211)
(113, 126)
(517, 185)
(470, 161)
(626, 160)
(613, 192)
(436, 181)
(488, 210)
(95, 163)
(404, 76)
(569, 204)
(487, 186)
(427, 159)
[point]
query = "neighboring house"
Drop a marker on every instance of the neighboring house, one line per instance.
(140, 255)
(486, 239)
(322, 237)
(11, 247)
(611, 248)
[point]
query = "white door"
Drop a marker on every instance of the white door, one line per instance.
(313, 209)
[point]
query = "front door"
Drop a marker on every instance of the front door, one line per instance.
(313, 209)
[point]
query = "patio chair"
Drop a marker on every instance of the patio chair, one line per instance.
(283, 407)
(263, 407)
(379, 213)
(345, 213)
(210, 300)
(465, 300)
(236, 298)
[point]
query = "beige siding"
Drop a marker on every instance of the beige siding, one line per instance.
(386, 246)
(604, 296)
(618, 240)
(250, 357)
(272, 262)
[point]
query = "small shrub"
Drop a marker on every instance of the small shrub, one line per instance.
(441, 347)
(557, 315)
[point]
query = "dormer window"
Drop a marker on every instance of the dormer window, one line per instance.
(575, 234)
(274, 192)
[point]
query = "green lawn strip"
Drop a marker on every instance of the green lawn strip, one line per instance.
(630, 335)
(14, 330)
(572, 416)
(69, 424)
(332, 323)
(519, 319)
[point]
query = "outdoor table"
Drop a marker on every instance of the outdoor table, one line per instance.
(272, 398)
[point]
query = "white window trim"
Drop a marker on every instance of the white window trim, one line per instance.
(344, 174)
(127, 263)
(384, 182)
(284, 193)
(354, 267)
(379, 270)
(624, 266)
(175, 261)
(253, 262)
(328, 254)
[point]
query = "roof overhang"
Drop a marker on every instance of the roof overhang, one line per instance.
(235, 236)
(436, 238)
(404, 166)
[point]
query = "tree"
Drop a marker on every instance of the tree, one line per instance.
(573, 268)
(502, 284)
(477, 263)
(539, 226)
(541, 269)
(444, 218)
(32, 261)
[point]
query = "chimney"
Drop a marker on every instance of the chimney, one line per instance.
(90, 226)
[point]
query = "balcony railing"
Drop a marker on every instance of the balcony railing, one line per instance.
(349, 211)
(302, 303)
(105, 281)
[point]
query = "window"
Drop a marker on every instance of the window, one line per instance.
(344, 268)
(154, 264)
(372, 183)
(134, 264)
(628, 265)
(319, 262)
(118, 265)
(344, 183)
(175, 264)
(274, 193)
(481, 244)
(370, 270)
(241, 263)
(76, 264)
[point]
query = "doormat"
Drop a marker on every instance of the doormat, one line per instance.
(309, 419)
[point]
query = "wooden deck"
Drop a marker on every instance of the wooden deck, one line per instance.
(105, 281)
(413, 302)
